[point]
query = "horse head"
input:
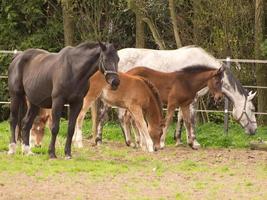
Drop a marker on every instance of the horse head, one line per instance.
(244, 113)
(108, 64)
(215, 83)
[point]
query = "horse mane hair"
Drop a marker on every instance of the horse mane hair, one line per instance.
(197, 68)
(155, 93)
(235, 82)
(88, 45)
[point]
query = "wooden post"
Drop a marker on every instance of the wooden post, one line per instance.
(226, 104)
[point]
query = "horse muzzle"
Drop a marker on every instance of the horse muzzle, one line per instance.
(251, 130)
(113, 80)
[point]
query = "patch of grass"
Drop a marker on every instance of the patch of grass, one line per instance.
(180, 196)
(189, 166)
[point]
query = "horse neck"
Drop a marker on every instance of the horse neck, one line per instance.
(201, 78)
(84, 62)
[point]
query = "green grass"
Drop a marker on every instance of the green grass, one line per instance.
(183, 176)
(208, 135)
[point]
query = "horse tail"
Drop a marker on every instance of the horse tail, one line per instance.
(155, 93)
(21, 114)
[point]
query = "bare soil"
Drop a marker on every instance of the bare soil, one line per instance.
(182, 174)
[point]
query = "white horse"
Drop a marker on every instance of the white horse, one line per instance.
(175, 60)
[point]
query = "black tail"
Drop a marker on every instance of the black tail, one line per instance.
(21, 114)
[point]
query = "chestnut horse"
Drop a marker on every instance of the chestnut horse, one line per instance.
(50, 80)
(139, 97)
(38, 127)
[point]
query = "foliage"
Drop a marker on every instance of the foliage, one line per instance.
(264, 48)
(224, 30)
(27, 24)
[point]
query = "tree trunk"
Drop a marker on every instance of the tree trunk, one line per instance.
(261, 71)
(140, 32)
(155, 33)
(68, 22)
(135, 6)
(174, 24)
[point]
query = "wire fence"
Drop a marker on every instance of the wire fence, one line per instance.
(228, 61)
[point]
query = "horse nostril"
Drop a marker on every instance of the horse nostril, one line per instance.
(115, 83)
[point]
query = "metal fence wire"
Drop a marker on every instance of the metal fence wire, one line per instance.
(226, 111)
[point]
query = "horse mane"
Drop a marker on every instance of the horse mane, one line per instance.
(235, 82)
(197, 68)
(155, 93)
(88, 45)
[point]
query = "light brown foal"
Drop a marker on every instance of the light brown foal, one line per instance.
(178, 89)
(135, 94)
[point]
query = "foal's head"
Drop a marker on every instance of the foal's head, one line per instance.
(38, 129)
(215, 83)
(108, 64)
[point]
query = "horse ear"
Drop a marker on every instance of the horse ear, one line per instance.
(251, 95)
(221, 70)
(102, 46)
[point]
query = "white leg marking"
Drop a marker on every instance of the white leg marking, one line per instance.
(78, 138)
(12, 148)
(26, 149)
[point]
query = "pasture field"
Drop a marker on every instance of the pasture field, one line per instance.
(224, 168)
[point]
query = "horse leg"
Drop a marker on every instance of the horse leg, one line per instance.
(170, 111)
(77, 137)
(179, 128)
(140, 122)
(57, 107)
(14, 112)
(125, 123)
(75, 109)
(189, 120)
(99, 119)
(27, 122)
(136, 133)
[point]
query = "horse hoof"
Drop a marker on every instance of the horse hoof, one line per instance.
(162, 145)
(12, 149)
(52, 156)
(98, 143)
(133, 145)
(178, 143)
(26, 150)
(195, 145)
(67, 157)
(30, 153)
(128, 143)
(150, 150)
(78, 144)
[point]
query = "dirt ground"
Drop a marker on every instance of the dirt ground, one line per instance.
(182, 174)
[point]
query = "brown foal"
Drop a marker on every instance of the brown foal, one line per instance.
(178, 89)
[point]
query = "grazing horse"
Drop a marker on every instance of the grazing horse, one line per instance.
(139, 97)
(50, 80)
(175, 60)
(177, 89)
(38, 127)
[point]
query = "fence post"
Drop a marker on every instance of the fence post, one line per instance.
(226, 103)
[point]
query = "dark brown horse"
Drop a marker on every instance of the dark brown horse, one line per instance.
(50, 80)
